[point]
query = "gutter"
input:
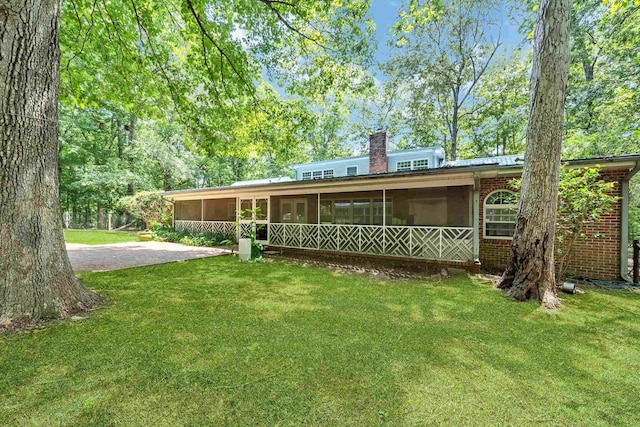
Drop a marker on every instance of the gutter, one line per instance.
(624, 224)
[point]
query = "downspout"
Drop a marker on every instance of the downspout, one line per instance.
(476, 218)
(624, 224)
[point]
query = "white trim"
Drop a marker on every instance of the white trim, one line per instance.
(484, 215)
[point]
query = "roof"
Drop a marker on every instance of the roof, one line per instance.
(262, 181)
(510, 160)
(496, 163)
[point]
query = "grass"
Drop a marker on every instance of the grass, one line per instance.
(215, 342)
(99, 237)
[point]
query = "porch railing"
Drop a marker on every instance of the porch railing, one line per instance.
(433, 243)
(227, 228)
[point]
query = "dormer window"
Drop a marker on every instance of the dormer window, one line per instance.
(317, 174)
(327, 173)
(412, 165)
(306, 175)
(352, 170)
(420, 164)
(403, 166)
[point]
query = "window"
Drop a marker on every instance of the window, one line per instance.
(403, 166)
(500, 215)
(421, 164)
(327, 173)
(306, 175)
(354, 211)
(361, 212)
(412, 165)
(352, 170)
(317, 174)
(342, 211)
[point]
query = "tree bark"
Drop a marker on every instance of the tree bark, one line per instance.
(36, 279)
(100, 216)
(531, 269)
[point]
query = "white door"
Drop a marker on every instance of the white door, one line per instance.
(259, 217)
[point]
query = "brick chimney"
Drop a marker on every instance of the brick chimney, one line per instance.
(378, 152)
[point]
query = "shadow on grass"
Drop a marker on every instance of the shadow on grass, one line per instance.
(214, 341)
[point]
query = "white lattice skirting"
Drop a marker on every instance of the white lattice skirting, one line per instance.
(227, 228)
(430, 243)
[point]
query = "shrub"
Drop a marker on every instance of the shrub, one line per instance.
(168, 234)
(147, 206)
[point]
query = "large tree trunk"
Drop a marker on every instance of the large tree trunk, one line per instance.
(531, 270)
(36, 280)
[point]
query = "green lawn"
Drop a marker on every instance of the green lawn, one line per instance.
(215, 342)
(99, 237)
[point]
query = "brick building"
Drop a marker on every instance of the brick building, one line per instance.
(410, 206)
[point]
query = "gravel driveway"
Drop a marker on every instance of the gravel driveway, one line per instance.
(133, 254)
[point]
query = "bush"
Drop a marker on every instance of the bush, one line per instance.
(168, 234)
(147, 206)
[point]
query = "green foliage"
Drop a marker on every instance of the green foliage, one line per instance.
(443, 49)
(583, 198)
(284, 344)
(147, 206)
(168, 234)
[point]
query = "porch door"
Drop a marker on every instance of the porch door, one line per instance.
(260, 220)
(293, 210)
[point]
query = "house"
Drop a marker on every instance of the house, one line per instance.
(409, 205)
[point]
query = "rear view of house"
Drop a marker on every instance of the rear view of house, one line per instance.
(403, 205)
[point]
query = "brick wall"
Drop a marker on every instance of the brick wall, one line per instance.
(378, 152)
(598, 256)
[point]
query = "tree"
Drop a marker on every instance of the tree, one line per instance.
(36, 280)
(499, 124)
(583, 197)
(446, 48)
(144, 58)
(530, 273)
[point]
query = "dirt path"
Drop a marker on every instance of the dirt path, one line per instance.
(133, 254)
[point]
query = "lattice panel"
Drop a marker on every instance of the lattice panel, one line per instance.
(309, 236)
(425, 242)
(372, 240)
(292, 235)
(276, 234)
(328, 237)
(349, 238)
(245, 230)
(397, 241)
(453, 244)
(457, 244)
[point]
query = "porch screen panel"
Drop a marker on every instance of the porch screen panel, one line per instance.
(439, 207)
(220, 209)
(188, 210)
